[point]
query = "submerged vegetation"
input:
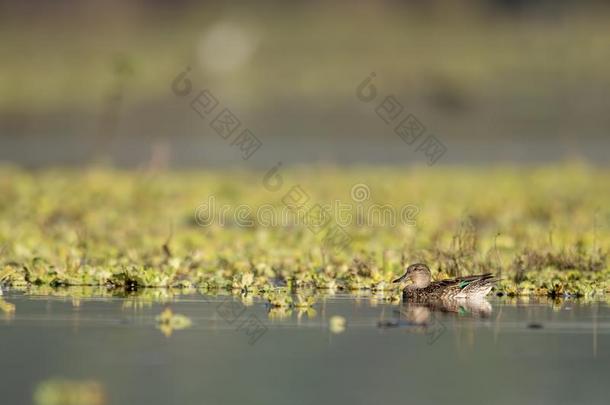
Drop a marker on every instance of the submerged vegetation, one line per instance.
(544, 231)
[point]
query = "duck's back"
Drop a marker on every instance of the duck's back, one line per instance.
(459, 287)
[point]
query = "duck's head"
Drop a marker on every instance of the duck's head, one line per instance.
(418, 274)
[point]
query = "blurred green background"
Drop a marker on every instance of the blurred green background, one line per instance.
(85, 82)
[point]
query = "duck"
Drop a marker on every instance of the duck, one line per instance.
(422, 288)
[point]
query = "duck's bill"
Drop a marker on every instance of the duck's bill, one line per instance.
(399, 279)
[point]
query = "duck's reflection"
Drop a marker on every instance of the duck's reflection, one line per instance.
(423, 316)
(479, 308)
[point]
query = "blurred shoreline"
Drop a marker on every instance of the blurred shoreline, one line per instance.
(197, 151)
(494, 80)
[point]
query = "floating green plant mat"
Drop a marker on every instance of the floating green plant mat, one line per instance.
(544, 231)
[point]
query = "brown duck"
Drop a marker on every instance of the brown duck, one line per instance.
(423, 288)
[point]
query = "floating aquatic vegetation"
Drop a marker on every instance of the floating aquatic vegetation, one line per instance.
(7, 308)
(337, 324)
(70, 392)
(11, 275)
(394, 297)
(244, 281)
(539, 229)
(279, 299)
(304, 300)
(168, 322)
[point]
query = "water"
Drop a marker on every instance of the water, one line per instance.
(512, 351)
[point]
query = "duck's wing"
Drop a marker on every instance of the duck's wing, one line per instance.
(469, 286)
(479, 287)
(462, 281)
(449, 282)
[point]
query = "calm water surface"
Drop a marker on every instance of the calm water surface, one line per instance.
(511, 351)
